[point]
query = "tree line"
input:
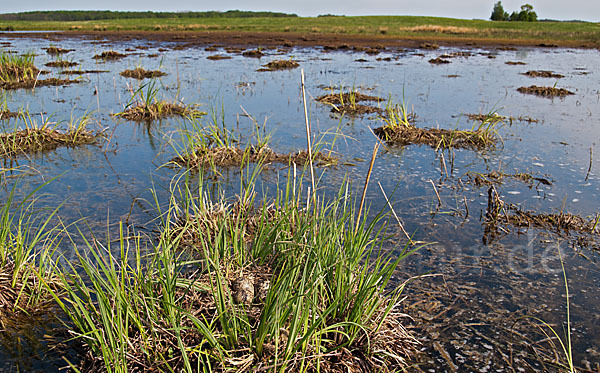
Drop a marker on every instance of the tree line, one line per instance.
(93, 15)
(525, 15)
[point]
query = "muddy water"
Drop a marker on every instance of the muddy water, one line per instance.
(465, 311)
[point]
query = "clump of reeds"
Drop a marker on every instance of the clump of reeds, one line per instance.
(348, 102)
(308, 290)
(141, 73)
(280, 65)
(109, 55)
(34, 138)
(144, 105)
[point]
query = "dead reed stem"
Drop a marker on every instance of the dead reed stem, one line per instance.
(364, 193)
(436, 193)
(590, 167)
(394, 213)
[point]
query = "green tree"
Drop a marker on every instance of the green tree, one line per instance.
(498, 14)
(525, 15)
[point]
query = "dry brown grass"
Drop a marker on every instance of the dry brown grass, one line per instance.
(440, 29)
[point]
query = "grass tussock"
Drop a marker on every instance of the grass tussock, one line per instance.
(61, 63)
(82, 72)
(307, 291)
(141, 73)
(109, 55)
(28, 245)
(438, 61)
(543, 74)
(30, 84)
(255, 53)
(218, 57)
(17, 68)
(235, 157)
(348, 102)
(399, 129)
(545, 91)
(157, 110)
(145, 105)
(280, 65)
(207, 146)
(52, 50)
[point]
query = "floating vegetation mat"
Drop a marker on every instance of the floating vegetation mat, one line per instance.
(435, 137)
(61, 64)
(545, 91)
(158, 110)
(40, 140)
(218, 57)
(235, 156)
(280, 65)
(33, 83)
(543, 74)
(347, 103)
(140, 73)
(109, 55)
(57, 50)
(495, 177)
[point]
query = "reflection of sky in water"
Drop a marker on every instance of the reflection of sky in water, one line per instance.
(117, 181)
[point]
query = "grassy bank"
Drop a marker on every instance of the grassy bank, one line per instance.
(380, 26)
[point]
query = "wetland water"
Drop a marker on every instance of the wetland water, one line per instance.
(467, 312)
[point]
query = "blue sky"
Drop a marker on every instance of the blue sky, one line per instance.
(588, 10)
